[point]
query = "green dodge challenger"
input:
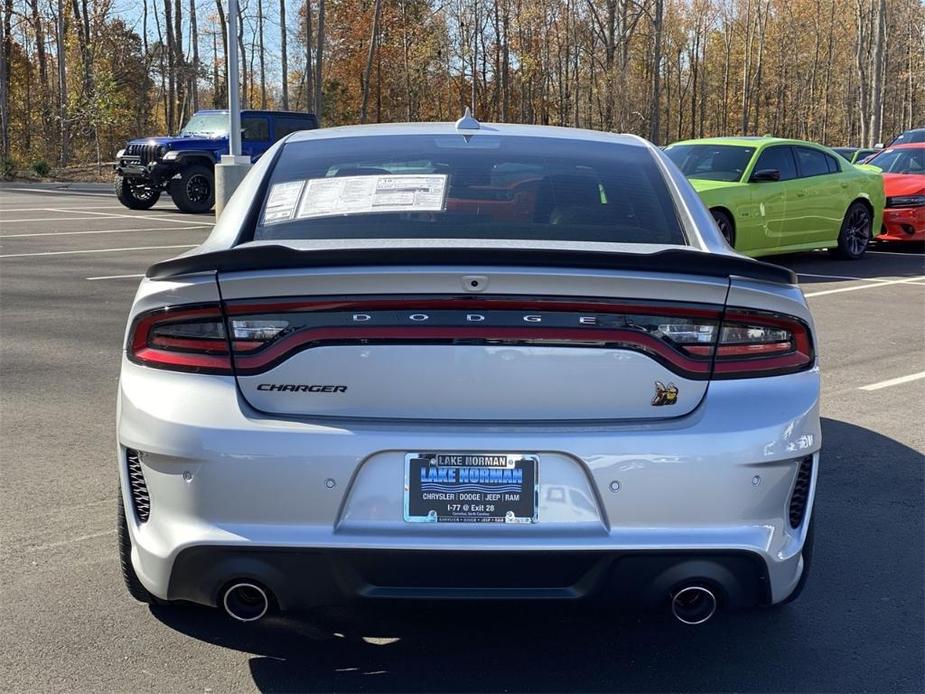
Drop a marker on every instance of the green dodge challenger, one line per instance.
(771, 195)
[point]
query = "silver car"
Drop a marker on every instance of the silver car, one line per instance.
(467, 361)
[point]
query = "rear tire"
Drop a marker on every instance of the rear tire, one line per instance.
(135, 196)
(194, 190)
(726, 226)
(129, 577)
(855, 234)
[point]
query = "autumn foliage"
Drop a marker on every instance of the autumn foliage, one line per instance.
(78, 80)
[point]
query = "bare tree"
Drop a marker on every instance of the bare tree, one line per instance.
(39, 29)
(6, 48)
(171, 67)
(875, 131)
(373, 39)
(654, 122)
(319, 60)
(261, 58)
(284, 56)
(62, 84)
(223, 28)
(309, 61)
(182, 76)
(862, 64)
(194, 69)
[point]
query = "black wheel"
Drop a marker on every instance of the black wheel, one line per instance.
(855, 234)
(134, 194)
(726, 226)
(194, 189)
(135, 589)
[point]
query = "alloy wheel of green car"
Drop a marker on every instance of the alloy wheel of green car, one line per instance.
(855, 232)
(725, 226)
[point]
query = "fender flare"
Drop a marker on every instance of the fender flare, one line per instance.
(184, 155)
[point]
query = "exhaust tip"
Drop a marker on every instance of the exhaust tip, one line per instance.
(693, 605)
(246, 602)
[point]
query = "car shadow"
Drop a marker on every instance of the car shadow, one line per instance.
(857, 627)
(166, 206)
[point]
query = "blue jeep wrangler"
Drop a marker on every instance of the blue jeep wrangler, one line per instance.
(183, 165)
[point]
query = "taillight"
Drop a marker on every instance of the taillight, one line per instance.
(694, 341)
(182, 339)
(194, 338)
(756, 343)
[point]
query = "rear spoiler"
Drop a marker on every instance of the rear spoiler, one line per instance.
(272, 257)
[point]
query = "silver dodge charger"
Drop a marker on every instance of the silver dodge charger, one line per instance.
(467, 361)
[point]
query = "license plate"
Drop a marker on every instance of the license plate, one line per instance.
(470, 487)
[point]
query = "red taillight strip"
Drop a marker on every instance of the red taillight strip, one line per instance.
(469, 303)
(742, 350)
(184, 361)
(753, 350)
(801, 357)
(317, 337)
(214, 346)
(142, 351)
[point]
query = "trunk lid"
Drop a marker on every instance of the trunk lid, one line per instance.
(472, 343)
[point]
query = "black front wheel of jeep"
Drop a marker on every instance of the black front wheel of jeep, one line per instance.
(194, 189)
(135, 195)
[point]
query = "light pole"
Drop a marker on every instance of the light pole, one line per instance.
(234, 87)
(233, 167)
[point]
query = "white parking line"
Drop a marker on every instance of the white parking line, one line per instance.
(167, 218)
(894, 381)
(62, 543)
(72, 207)
(116, 277)
(102, 231)
(841, 277)
(884, 283)
(97, 250)
(57, 192)
(908, 255)
(48, 219)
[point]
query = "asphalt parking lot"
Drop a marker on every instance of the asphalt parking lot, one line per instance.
(70, 260)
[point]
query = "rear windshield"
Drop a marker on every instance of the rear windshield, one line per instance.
(711, 162)
(902, 161)
(467, 187)
(910, 137)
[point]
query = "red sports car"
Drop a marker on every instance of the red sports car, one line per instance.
(903, 169)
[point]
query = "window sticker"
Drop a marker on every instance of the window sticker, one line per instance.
(282, 201)
(345, 195)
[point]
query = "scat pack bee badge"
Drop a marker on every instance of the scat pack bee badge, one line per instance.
(665, 395)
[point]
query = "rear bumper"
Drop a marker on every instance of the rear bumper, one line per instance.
(903, 224)
(295, 497)
(304, 578)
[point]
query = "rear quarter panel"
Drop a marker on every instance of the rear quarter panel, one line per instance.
(752, 214)
(870, 187)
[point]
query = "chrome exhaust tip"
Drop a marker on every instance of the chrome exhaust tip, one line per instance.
(245, 602)
(693, 605)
